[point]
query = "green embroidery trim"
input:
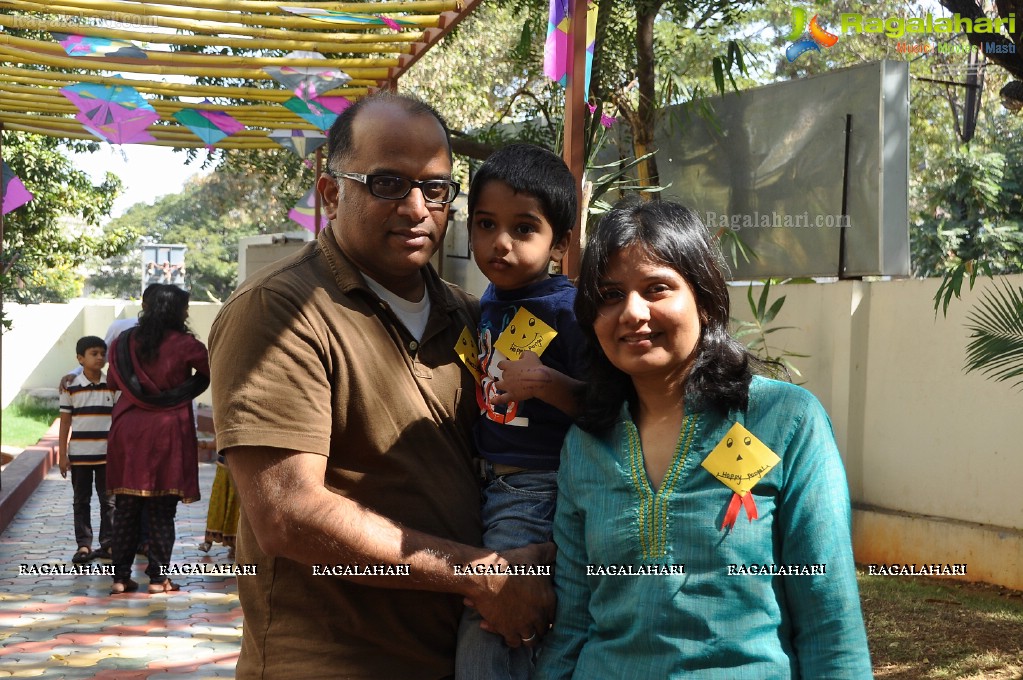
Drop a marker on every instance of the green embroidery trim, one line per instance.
(653, 508)
(639, 483)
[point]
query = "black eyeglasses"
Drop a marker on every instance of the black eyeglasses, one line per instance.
(394, 188)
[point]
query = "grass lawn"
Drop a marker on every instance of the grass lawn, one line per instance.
(921, 628)
(23, 425)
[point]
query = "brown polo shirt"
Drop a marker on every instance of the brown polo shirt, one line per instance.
(305, 357)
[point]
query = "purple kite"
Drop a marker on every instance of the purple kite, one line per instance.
(300, 142)
(349, 18)
(115, 113)
(320, 111)
(556, 49)
(87, 46)
(15, 193)
(304, 212)
(308, 82)
(209, 126)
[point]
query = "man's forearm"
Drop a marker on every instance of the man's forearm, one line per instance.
(294, 516)
(318, 526)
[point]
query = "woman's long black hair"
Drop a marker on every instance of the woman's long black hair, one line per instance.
(165, 309)
(673, 235)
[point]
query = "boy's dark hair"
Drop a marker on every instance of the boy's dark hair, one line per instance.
(87, 343)
(340, 142)
(533, 170)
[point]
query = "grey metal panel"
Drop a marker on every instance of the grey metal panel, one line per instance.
(774, 158)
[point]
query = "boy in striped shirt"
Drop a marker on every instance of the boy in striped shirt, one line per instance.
(85, 407)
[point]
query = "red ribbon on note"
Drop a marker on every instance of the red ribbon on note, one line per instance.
(738, 501)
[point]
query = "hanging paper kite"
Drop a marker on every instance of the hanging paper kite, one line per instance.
(87, 46)
(556, 49)
(116, 113)
(320, 111)
(308, 81)
(300, 142)
(304, 212)
(15, 194)
(209, 126)
(349, 18)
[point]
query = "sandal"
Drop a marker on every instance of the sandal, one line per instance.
(83, 555)
(167, 586)
(121, 587)
(205, 546)
(101, 554)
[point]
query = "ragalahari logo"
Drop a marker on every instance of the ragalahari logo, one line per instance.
(805, 39)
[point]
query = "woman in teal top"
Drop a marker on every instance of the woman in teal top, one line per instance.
(703, 521)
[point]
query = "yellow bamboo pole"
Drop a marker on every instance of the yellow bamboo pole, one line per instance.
(274, 6)
(217, 22)
(210, 60)
(163, 135)
(326, 46)
(208, 28)
(152, 67)
(270, 117)
(280, 118)
(286, 120)
(136, 13)
(54, 79)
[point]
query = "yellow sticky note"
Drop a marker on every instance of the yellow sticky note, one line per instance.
(740, 460)
(525, 332)
(467, 351)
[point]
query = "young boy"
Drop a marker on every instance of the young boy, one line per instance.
(522, 206)
(85, 407)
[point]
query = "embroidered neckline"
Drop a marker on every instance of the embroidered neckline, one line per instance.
(653, 507)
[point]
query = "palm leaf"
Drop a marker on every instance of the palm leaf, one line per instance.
(996, 332)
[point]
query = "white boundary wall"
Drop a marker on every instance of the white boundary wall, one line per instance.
(40, 348)
(934, 456)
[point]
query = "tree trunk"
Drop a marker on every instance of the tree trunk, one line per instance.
(646, 109)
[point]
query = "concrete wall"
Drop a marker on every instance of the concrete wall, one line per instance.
(933, 454)
(40, 348)
(913, 427)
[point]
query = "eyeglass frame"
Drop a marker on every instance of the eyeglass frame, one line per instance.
(367, 180)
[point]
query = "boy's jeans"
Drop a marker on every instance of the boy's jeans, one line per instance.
(518, 509)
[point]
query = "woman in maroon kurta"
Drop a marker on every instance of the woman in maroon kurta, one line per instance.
(152, 453)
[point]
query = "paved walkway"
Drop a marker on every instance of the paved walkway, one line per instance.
(56, 626)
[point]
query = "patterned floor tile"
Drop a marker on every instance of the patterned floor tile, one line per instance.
(69, 627)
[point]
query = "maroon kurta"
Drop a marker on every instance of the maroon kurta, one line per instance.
(153, 451)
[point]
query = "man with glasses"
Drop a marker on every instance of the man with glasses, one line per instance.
(345, 416)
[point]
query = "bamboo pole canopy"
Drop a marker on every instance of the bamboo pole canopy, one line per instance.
(206, 55)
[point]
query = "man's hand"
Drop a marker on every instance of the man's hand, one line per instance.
(519, 608)
(64, 464)
(66, 381)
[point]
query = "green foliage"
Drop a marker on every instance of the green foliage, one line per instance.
(48, 239)
(996, 334)
(755, 332)
(209, 216)
(972, 224)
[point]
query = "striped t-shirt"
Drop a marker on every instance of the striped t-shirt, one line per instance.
(90, 405)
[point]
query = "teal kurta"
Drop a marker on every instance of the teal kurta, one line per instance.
(706, 622)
